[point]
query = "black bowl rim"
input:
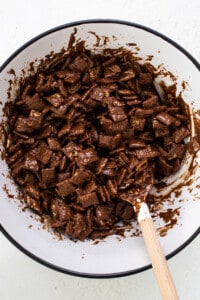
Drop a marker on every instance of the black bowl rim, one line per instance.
(3, 66)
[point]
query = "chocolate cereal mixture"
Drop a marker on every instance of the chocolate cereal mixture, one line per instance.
(84, 131)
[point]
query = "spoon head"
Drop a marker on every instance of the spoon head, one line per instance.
(136, 196)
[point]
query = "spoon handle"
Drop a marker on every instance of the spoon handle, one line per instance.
(158, 260)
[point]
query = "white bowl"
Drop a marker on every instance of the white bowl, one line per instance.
(111, 257)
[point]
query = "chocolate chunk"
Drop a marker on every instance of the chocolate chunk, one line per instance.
(138, 123)
(99, 93)
(94, 73)
(136, 144)
(60, 211)
(68, 76)
(15, 157)
(31, 163)
(65, 188)
(45, 153)
(48, 175)
(90, 187)
(146, 79)
(35, 102)
(127, 75)
(109, 172)
(62, 88)
(180, 134)
(71, 150)
(101, 164)
(102, 214)
(33, 203)
(79, 228)
(88, 199)
(144, 113)
(53, 143)
(148, 152)
(103, 193)
(164, 168)
(113, 127)
(109, 61)
(112, 187)
(32, 191)
(80, 177)
(160, 129)
(56, 99)
(35, 119)
(162, 132)
(64, 130)
(177, 151)
(126, 92)
(56, 159)
(128, 212)
(105, 141)
(79, 64)
(39, 82)
(157, 124)
(165, 118)
(112, 71)
(117, 113)
(22, 125)
(87, 156)
(150, 102)
(77, 129)
(49, 85)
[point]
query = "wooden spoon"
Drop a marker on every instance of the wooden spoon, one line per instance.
(158, 260)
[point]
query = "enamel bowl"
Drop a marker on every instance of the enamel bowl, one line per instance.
(113, 256)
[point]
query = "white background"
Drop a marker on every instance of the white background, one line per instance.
(20, 277)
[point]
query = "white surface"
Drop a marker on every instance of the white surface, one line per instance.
(20, 277)
(130, 253)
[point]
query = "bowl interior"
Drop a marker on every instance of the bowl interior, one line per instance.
(109, 257)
